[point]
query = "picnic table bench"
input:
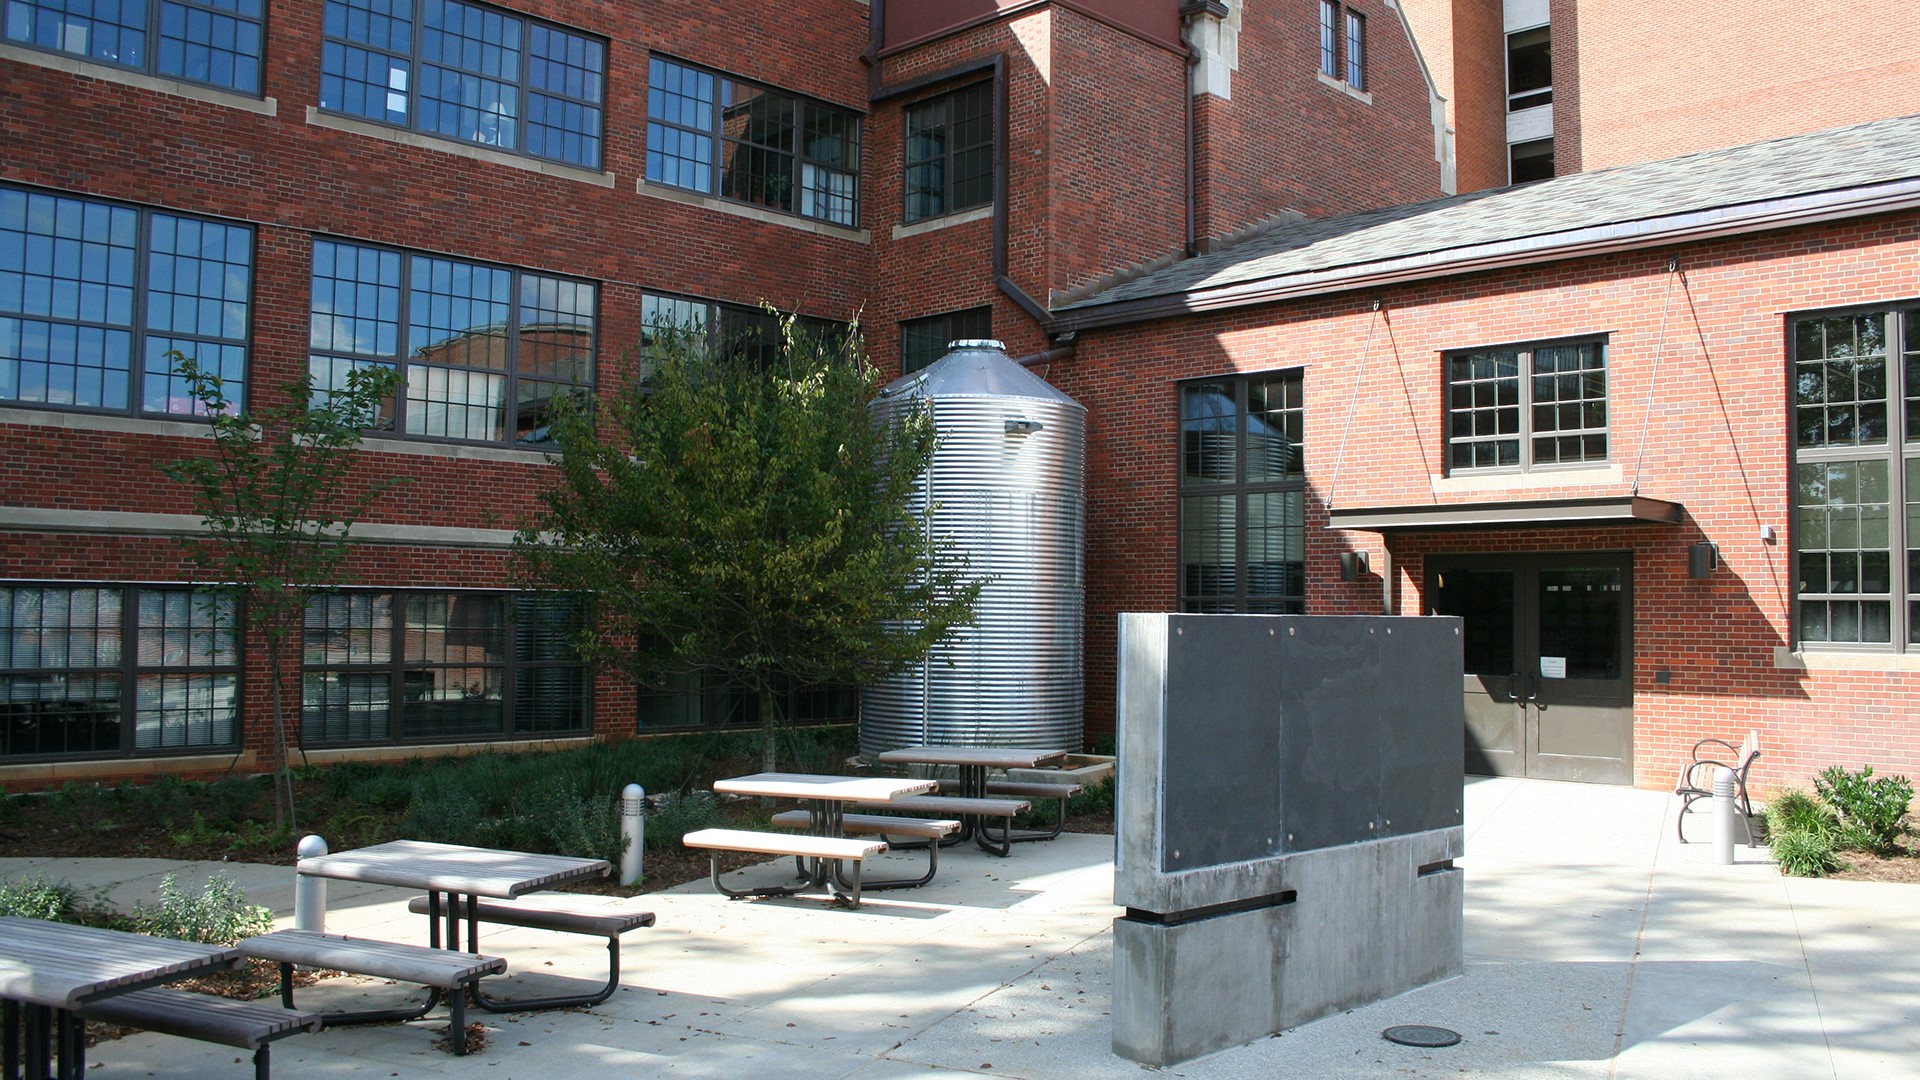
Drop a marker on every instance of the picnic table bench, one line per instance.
(246, 1025)
(1059, 793)
(439, 970)
(929, 830)
(976, 809)
(824, 849)
(604, 922)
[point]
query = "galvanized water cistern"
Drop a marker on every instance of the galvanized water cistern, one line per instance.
(1006, 487)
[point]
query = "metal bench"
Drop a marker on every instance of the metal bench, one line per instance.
(247, 1025)
(977, 809)
(1060, 793)
(1696, 778)
(930, 830)
(436, 969)
(827, 849)
(603, 922)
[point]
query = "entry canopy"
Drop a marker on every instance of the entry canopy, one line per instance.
(1612, 510)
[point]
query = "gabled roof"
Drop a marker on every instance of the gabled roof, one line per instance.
(1845, 172)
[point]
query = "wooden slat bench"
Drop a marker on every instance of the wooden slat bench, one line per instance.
(247, 1025)
(825, 848)
(1060, 793)
(437, 969)
(600, 921)
(978, 809)
(930, 830)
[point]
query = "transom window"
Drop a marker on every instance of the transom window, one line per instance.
(95, 297)
(1242, 495)
(727, 328)
(922, 341)
(466, 72)
(419, 666)
(950, 152)
(212, 42)
(1537, 406)
(71, 687)
(1856, 436)
(739, 140)
(486, 349)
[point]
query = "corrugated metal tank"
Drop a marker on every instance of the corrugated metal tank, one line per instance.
(1007, 484)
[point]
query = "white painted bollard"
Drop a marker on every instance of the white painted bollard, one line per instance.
(310, 893)
(1723, 811)
(633, 826)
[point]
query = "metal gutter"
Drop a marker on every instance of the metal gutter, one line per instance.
(1792, 211)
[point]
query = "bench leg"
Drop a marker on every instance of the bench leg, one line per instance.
(985, 838)
(1059, 826)
(502, 1005)
(457, 1019)
(767, 890)
(10, 1039)
(933, 865)
(370, 1016)
(263, 1062)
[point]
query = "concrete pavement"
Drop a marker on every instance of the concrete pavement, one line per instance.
(1596, 946)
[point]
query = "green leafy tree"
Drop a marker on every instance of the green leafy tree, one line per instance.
(274, 500)
(740, 515)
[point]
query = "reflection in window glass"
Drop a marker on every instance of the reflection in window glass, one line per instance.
(1534, 407)
(215, 42)
(1242, 505)
(949, 152)
(922, 341)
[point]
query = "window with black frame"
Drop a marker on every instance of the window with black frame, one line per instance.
(211, 42)
(949, 152)
(70, 685)
(730, 329)
(1527, 407)
(750, 143)
(922, 341)
(483, 351)
(1856, 485)
(425, 666)
(689, 702)
(1243, 495)
(96, 297)
(468, 73)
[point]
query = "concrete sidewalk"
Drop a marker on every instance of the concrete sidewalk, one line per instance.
(1596, 946)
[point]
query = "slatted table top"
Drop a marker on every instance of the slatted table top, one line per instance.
(419, 864)
(990, 757)
(838, 788)
(62, 966)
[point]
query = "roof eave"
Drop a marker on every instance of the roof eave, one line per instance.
(1791, 211)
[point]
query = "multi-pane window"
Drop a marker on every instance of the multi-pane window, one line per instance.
(1356, 50)
(485, 350)
(695, 702)
(421, 666)
(70, 686)
(750, 143)
(212, 42)
(922, 341)
(95, 298)
(1329, 39)
(1529, 69)
(1242, 495)
(949, 146)
(729, 329)
(1856, 434)
(467, 72)
(1530, 161)
(1343, 44)
(1538, 406)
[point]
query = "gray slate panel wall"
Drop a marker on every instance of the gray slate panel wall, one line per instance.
(1289, 791)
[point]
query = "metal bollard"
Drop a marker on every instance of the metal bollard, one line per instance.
(633, 826)
(1723, 812)
(310, 893)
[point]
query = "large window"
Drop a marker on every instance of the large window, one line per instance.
(417, 666)
(71, 687)
(695, 702)
(1343, 44)
(950, 152)
(486, 349)
(727, 328)
(739, 140)
(1537, 406)
(213, 42)
(94, 297)
(1856, 437)
(1529, 69)
(467, 72)
(1242, 495)
(922, 341)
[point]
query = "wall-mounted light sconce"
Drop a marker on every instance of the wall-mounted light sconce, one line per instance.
(1703, 558)
(1353, 565)
(1020, 425)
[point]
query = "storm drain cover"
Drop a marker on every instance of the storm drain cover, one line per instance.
(1420, 1035)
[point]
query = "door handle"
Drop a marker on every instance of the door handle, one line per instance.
(1533, 696)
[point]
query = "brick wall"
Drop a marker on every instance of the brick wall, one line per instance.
(1708, 343)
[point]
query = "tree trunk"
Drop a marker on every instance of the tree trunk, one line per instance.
(283, 812)
(769, 756)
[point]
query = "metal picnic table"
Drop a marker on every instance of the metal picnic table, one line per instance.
(972, 763)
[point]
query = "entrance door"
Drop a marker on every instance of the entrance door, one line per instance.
(1549, 662)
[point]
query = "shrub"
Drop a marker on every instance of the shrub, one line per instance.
(35, 897)
(1872, 811)
(219, 915)
(1804, 853)
(677, 814)
(1797, 811)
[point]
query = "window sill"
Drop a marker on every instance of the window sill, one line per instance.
(336, 122)
(109, 768)
(1572, 476)
(84, 421)
(1785, 659)
(456, 451)
(159, 84)
(754, 213)
(405, 751)
(44, 519)
(1364, 97)
(948, 221)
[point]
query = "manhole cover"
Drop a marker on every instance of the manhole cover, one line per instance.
(1420, 1035)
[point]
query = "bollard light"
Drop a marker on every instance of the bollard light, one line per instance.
(310, 893)
(633, 826)
(1723, 811)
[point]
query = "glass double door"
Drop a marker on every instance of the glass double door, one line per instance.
(1549, 661)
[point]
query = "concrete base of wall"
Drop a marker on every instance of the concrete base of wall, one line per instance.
(1353, 924)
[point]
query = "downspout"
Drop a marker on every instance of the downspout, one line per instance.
(876, 35)
(1000, 125)
(1062, 351)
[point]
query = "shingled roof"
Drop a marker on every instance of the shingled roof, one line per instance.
(1850, 171)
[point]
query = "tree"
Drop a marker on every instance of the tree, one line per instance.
(745, 517)
(277, 511)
